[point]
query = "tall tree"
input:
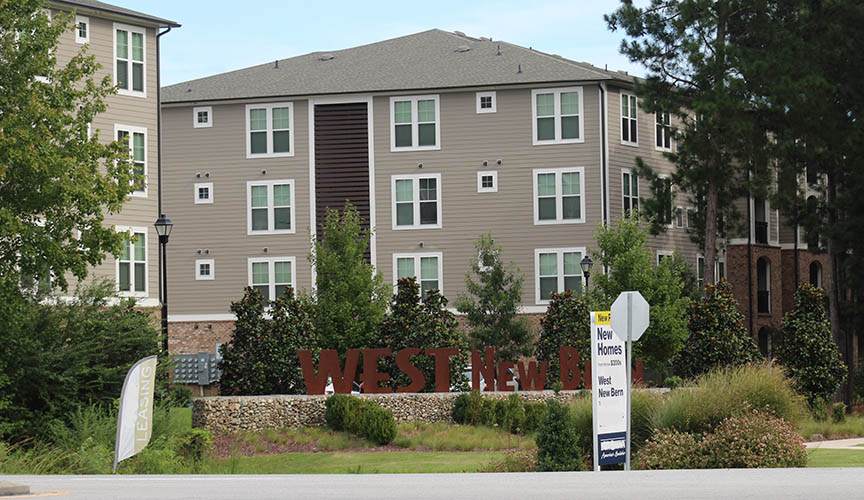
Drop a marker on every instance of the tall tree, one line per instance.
(688, 50)
(56, 183)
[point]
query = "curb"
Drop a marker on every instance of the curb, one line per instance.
(8, 489)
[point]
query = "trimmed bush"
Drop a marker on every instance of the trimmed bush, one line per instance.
(669, 450)
(510, 413)
(567, 322)
(673, 382)
(838, 412)
(535, 413)
(377, 424)
(473, 409)
(336, 412)
(360, 417)
(558, 441)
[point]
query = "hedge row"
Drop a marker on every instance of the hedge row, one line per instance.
(510, 414)
(361, 418)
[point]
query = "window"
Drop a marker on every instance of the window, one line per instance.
(82, 29)
(558, 196)
(203, 192)
(766, 342)
(132, 264)
(271, 275)
(270, 207)
(668, 195)
(204, 269)
(763, 285)
(129, 60)
(486, 102)
(135, 138)
(487, 182)
(630, 191)
(662, 131)
(629, 121)
(691, 218)
(557, 115)
(414, 123)
(816, 274)
(721, 270)
(416, 201)
(700, 271)
(269, 130)
(428, 265)
(202, 117)
(679, 217)
(557, 270)
(760, 222)
(663, 254)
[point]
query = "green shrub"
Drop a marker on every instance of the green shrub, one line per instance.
(558, 441)
(838, 412)
(360, 417)
(535, 413)
(514, 461)
(473, 409)
(377, 424)
(819, 410)
(567, 322)
(754, 440)
(195, 445)
(510, 413)
(673, 382)
(643, 406)
(807, 350)
(858, 383)
(336, 412)
(669, 450)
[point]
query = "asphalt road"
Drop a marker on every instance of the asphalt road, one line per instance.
(783, 484)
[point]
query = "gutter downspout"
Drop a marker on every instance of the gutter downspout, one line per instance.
(163, 286)
(750, 260)
(603, 153)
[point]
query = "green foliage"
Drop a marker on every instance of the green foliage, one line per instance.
(670, 450)
(857, 383)
(535, 414)
(673, 382)
(510, 413)
(472, 408)
(378, 425)
(631, 267)
(261, 357)
(336, 412)
(717, 334)
(558, 441)
(819, 410)
(351, 298)
(54, 180)
(360, 417)
(492, 307)
(838, 413)
(567, 322)
(195, 445)
(62, 355)
(514, 461)
(807, 350)
(426, 324)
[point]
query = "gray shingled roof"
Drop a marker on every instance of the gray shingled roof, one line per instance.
(433, 59)
(93, 4)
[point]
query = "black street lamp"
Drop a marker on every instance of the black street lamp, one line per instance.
(163, 229)
(586, 264)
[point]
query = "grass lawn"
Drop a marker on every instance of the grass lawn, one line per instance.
(354, 462)
(852, 427)
(835, 458)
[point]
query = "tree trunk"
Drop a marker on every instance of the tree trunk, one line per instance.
(834, 262)
(711, 202)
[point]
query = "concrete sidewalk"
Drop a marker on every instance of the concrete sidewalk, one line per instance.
(837, 444)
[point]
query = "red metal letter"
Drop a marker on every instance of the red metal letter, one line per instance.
(328, 367)
(504, 375)
(588, 374)
(371, 376)
(442, 366)
(637, 372)
(531, 377)
(488, 369)
(568, 359)
(403, 361)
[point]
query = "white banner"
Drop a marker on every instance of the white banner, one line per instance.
(609, 391)
(135, 418)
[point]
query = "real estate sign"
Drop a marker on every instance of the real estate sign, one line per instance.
(609, 391)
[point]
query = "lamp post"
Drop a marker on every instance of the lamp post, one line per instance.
(163, 229)
(586, 264)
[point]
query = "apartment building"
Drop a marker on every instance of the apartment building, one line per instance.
(125, 43)
(436, 137)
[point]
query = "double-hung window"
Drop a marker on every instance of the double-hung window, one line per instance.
(700, 271)
(667, 194)
(129, 60)
(270, 207)
(82, 29)
(426, 268)
(414, 123)
(559, 195)
(630, 191)
(629, 120)
(135, 138)
(557, 270)
(416, 201)
(132, 264)
(662, 131)
(271, 275)
(269, 130)
(557, 115)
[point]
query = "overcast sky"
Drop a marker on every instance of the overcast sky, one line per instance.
(219, 36)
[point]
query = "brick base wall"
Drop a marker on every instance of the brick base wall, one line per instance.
(198, 336)
(736, 273)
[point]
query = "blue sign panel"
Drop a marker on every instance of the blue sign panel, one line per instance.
(612, 448)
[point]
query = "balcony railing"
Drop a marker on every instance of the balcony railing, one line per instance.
(761, 233)
(763, 302)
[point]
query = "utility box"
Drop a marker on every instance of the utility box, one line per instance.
(200, 369)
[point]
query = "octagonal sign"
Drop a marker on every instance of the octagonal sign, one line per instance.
(629, 307)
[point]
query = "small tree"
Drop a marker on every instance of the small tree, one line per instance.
(807, 350)
(558, 440)
(492, 309)
(261, 357)
(351, 297)
(426, 324)
(567, 322)
(717, 334)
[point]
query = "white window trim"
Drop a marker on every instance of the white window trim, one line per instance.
(559, 205)
(633, 144)
(415, 178)
(663, 253)
(131, 230)
(130, 129)
(557, 91)
(671, 133)
(560, 253)
(417, 257)
(271, 221)
(494, 108)
(202, 109)
(269, 107)
(271, 272)
(131, 29)
(688, 221)
(675, 211)
(415, 130)
(86, 39)
(628, 171)
(199, 201)
(211, 276)
(480, 175)
(672, 195)
(700, 282)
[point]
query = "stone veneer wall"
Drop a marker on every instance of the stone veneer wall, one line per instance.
(225, 414)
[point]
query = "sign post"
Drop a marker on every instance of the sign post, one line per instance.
(609, 392)
(629, 320)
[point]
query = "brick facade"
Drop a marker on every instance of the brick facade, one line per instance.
(192, 337)
(737, 274)
(805, 259)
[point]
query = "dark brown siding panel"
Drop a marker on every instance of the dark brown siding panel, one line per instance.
(341, 159)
